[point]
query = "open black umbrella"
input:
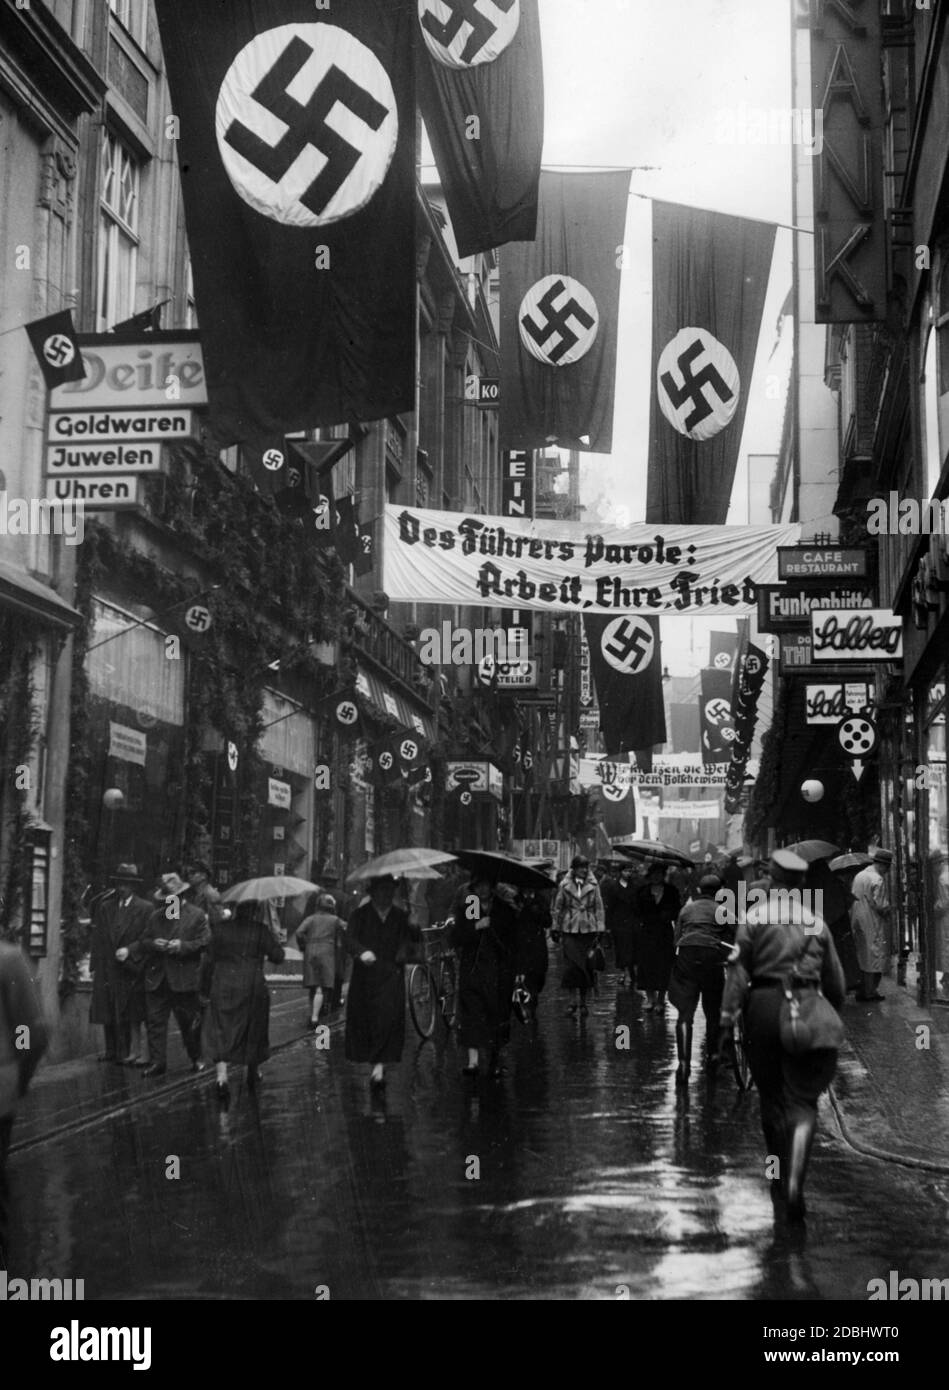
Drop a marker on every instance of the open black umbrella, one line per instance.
(813, 850)
(654, 849)
(502, 868)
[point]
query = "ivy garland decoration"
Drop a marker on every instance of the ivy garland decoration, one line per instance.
(253, 551)
(18, 732)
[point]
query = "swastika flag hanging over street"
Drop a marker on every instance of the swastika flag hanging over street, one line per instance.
(709, 282)
(57, 348)
(296, 149)
(559, 309)
(717, 719)
(627, 672)
(481, 93)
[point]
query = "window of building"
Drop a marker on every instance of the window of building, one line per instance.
(118, 232)
(132, 15)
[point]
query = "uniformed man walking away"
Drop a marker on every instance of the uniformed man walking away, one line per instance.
(784, 960)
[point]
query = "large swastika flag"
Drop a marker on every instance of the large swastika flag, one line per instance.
(709, 280)
(481, 92)
(559, 310)
(296, 149)
(626, 663)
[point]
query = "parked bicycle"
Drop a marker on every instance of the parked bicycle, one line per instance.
(432, 983)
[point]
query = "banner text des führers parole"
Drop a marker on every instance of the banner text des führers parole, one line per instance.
(454, 558)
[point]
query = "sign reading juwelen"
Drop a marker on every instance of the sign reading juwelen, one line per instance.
(850, 243)
(106, 430)
(857, 634)
(563, 566)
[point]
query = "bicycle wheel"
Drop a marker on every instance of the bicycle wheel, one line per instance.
(422, 1000)
(448, 992)
(740, 1057)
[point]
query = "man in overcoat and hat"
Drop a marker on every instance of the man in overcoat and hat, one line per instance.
(120, 920)
(870, 923)
(177, 933)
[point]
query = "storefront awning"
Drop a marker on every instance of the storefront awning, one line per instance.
(23, 594)
(388, 703)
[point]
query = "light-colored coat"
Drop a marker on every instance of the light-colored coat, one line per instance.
(870, 920)
(578, 907)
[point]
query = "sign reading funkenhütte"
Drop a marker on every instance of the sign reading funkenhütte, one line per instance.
(457, 558)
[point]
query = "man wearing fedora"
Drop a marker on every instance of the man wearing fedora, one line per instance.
(120, 920)
(176, 935)
(870, 923)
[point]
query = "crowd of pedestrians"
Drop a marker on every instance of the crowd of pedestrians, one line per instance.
(181, 950)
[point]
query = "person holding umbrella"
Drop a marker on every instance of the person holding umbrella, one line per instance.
(382, 940)
(237, 1028)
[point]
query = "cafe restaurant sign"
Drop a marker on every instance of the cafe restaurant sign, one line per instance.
(821, 562)
(856, 634)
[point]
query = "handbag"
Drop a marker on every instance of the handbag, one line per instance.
(807, 1021)
(597, 958)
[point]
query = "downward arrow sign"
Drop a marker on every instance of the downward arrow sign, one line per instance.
(857, 769)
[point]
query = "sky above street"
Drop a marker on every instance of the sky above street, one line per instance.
(630, 82)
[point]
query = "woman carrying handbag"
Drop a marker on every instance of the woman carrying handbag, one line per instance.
(786, 976)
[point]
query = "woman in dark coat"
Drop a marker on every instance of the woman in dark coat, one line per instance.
(772, 945)
(380, 938)
(619, 902)
(237, 1028)
(657, 906)
(484, 934)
